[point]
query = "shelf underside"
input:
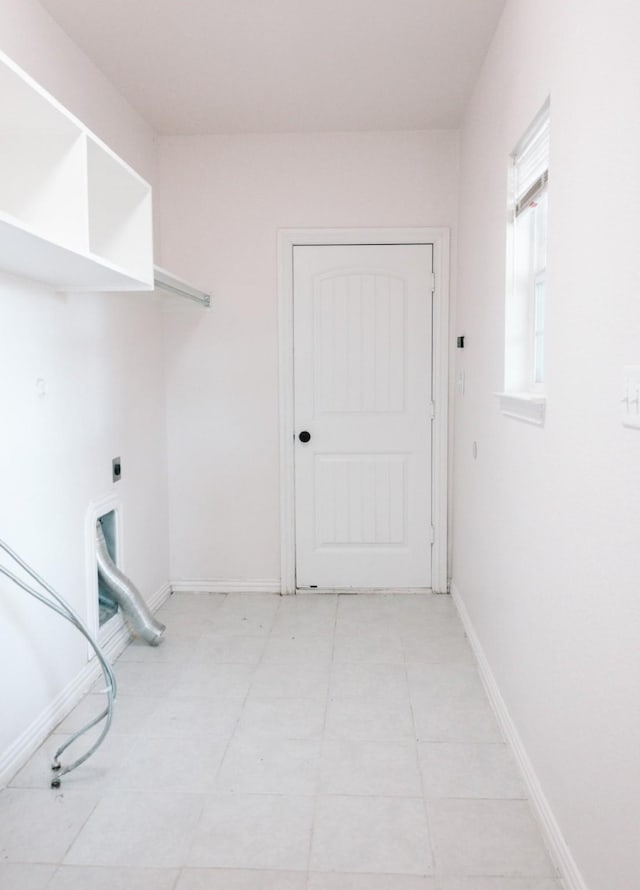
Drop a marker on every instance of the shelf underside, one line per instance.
(24, 253)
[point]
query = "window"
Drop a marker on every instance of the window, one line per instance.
(527, 273)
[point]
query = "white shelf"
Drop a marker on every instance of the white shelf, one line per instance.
(119, 213)
(72, 214)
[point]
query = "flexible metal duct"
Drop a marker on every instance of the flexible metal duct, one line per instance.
(126, 595)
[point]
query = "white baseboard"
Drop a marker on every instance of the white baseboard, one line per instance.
(367, 591)
(221, 585)
(273, 585)
(556, 843)
(161, 595)
(113, 642)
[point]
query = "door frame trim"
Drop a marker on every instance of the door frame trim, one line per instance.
(439, 238)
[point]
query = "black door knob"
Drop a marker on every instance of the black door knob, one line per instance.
(304, 436)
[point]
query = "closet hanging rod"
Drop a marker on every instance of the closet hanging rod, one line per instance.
(163, 280)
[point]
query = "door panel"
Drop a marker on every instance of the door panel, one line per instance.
(360, 335)
(362, 365)
(360, 500)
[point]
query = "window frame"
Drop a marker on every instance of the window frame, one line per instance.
(526, 286)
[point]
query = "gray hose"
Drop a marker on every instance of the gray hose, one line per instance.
(126, 595)
(59, 605)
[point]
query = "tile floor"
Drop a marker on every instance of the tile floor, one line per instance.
(307, 743)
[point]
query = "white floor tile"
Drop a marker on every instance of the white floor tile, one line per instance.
(367, 610)
(256, 603)
(359, 623)
(369, 681)
(446, 684)
(180, 717)
(138, 830)
(254, 831)
(300, 648)
(444, 647)
(245, 615)
(369, 882)
(305, 616)
(74, 877)
(429, 608)
(129, 715)
(364, 602)
(173, 648)
(187, 624)
(143, 678)
(270, 735)
(428, 616)
(188, 764)
(227, 649)
(368, 719)
(424, 641)
(266, 766)
(370, 768)
(487, 837)
(240, 879)
(464, 770)
(291, 680)
(452, 723)
(371, 834)
(221, 681)
(478, 883)
(285, 718)
(39, 826)
(374, 648)
(25, 877)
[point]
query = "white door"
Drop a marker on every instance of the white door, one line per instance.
(362, 374)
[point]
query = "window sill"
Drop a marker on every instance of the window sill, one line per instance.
(525, 406)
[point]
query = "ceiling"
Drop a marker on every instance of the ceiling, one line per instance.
(231, 66)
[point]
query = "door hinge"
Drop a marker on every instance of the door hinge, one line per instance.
(432, 410)
(433, 282)
(432, 535)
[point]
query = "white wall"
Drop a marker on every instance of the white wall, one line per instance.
(222, 202)
(546, 521)
(101, 359)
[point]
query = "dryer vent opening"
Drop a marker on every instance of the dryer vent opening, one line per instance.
(123, 591)
(108, 607)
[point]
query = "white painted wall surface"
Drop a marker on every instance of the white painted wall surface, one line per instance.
(222, 202)
(101, 359)
(546, 521)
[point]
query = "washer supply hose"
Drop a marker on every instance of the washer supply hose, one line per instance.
(126, 594)
(48, 597)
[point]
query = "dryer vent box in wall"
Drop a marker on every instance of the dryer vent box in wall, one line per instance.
(107, 605)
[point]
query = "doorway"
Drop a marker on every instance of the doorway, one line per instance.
(363, 409)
